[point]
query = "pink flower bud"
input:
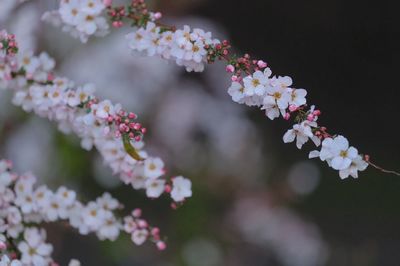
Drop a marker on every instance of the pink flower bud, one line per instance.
(3, 245)
(158, 15)
(155, 231)
(144, 130)
(107, 2)
(261, 64)
(286, 116)
(292, 108)
(230, 68)
(234, 78)
(115, 24)
(138, 138)
(137, 213)
(50, 77)
(167, 189)
(310, 117)
(122, 128)
(142, 223)
(161, 245)
(317, 113)
(132, 115)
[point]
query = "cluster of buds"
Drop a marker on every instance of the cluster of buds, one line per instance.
(244, 64)
(141, 231)
(218, 51)
(322, 133)
(116, 15)
(126, 125)
(140, 7)
(8, 43)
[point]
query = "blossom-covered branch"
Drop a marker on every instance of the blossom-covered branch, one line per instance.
(24, 207)
(99, 123)
(252, 81)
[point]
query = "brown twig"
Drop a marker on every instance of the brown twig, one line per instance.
(368, 160)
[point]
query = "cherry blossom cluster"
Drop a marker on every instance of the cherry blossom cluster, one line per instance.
(8, 49)
(24, 206)
(252, 81)
(276, 95)
(101, 124)
(81, 18)
(188, 48)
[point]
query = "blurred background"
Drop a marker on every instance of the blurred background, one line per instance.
(256, 200)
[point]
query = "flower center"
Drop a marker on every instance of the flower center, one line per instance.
(32, 251)
(152, 166)
(277, 95)
(195, 48)
(255, 82)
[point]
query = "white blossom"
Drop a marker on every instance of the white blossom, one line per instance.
(181, 188)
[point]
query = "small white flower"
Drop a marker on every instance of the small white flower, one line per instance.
(93, 216)
(110, 228)
(153, 168)
(33, 249)
(107, 202)
(104, 109)
(255, 84)
(70, 12)
(42, 197)
(357, 164)
(139, 236)
(5, 261)
(55, 209)
(74, 262)
(298, 97)
(181, 188)
(87, 24)
(46, 62)
(92, 7)
(81, 95)
(236, 91)
(30, 63)
(65, 197)
(129, 224)
(338, 152)
(279, 94)
(154, 187)
(301, 132)
(271, 108)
